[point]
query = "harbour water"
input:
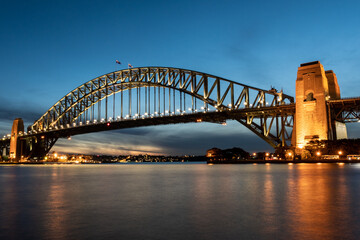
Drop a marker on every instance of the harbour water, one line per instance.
(180, 201)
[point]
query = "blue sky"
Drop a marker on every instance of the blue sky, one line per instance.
(50, 47)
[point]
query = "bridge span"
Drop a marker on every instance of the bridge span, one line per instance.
(148, 96)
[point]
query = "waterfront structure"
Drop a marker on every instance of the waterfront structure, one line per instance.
(148, 96)
(313, 120)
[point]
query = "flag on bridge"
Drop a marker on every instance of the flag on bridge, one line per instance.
(129, 65)
(118, 62)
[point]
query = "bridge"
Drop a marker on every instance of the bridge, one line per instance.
(148, 96)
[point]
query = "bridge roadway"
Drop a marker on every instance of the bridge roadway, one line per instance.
(214, 117)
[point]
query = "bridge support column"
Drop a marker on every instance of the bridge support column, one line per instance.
(313, 121)
(36, 147)
(16, 146)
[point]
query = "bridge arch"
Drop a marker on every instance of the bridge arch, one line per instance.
(156, 92)
(220, 93)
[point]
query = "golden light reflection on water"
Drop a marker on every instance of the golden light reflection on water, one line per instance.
(56, 218)
(269, 204)
(315, 201)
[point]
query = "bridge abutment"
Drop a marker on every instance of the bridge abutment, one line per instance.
(313, 120)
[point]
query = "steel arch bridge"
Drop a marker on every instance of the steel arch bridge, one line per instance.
(147, 96)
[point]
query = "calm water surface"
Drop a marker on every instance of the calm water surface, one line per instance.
(180, 201)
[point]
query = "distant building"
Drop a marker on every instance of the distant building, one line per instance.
(214, 153)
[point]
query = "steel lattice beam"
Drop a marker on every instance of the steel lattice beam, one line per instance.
(345, 110)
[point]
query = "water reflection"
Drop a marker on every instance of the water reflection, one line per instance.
(316, 201)
(9, 202)
(269, 204)
(55, 217)
(180, 202)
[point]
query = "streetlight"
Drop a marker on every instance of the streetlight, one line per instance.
(289, 156)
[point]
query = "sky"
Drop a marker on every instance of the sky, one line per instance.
(48, 48)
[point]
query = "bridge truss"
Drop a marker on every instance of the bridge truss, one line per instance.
(345, 110)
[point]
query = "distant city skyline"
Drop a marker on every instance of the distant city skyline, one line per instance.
(49, 48)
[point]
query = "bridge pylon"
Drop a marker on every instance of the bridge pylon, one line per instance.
(313, 120)
(16, 145)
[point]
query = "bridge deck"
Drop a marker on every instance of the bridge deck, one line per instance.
(346, 109)
(215, 117)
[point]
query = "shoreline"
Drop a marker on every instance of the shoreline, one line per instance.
(102, 163)
(314, 161)
(337, 161)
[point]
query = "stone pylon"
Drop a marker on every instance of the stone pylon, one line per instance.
(15, 144)
(314, 87)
